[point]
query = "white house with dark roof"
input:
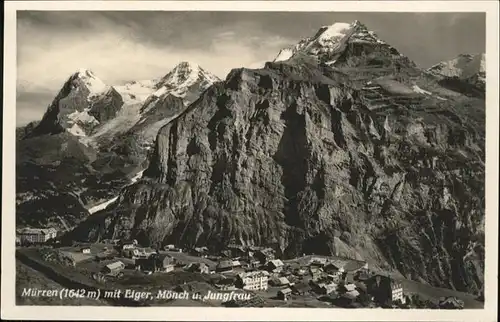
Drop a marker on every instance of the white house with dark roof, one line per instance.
(284, 294)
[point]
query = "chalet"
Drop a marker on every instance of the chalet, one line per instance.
(322, 287)
(349, 287)
(36, 235)
(333, 268)
(335, 271)
(225, 284)
(275, 265)
(139, 252)
(114, 268)
(155, 263)
(257, 280)
(85, 250)
(279, 281)
(316, 273)
(284, 294)
(197, 268)
(265, 255)
(224, 266)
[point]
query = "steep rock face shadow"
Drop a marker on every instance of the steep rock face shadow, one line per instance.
(291, 156)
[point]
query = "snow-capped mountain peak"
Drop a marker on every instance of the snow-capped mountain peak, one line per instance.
(182, 76)
(462, 66)
(329, 41)
(468, 68)
(337, 31)
(327, 38)
(95, 85)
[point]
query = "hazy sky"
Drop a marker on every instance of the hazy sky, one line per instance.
(123, 46)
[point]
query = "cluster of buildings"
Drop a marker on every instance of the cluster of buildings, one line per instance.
(149, 261)
(35, 235)
(337, 278)
(259, 270)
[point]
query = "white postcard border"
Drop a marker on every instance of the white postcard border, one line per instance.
(10, 311)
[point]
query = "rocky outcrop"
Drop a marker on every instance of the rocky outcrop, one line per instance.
(106, 106)
(298, 157)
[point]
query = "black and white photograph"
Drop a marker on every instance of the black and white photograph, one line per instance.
(253, 159)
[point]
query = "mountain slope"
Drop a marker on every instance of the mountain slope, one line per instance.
(112, 127)
(361, 160)
(465, 73)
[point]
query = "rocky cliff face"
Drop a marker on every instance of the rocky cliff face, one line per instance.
(378, 163)
(106, 106)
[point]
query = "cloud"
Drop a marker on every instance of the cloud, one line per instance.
(45, 60)
(226, 35)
